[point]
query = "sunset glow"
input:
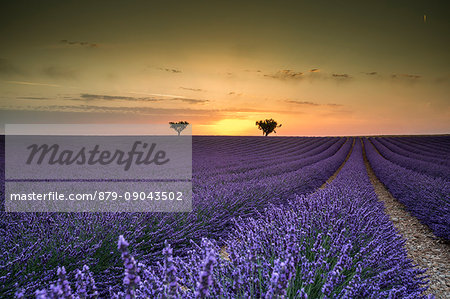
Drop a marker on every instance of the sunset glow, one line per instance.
(317, 69)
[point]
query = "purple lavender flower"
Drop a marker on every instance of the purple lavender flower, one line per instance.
(85, 284)
(19, 291)
(206, 279)
(281, 277)
(301, 294)
(131, 279)
(282, 218)
(63, 285)
(41, 294)
(170, 272)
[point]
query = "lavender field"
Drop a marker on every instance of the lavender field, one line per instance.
(267, 222)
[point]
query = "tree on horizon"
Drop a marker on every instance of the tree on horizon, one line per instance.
(179, 126)
(267, 126)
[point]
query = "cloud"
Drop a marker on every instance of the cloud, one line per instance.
(90, 97)
(312, 104)
(159, 95)
(190, 101)
(109, 109)
(79, 44)
(370, 73)
(192, 89)
(56, 72)
(169, 70)
(31, 83)
(312, 75)
(305, 103)
(341, 76)
(34, 98)
(7, 68)
(232, 93)
(285, 74)
(406, 76)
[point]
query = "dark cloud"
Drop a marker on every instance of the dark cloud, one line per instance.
(341, 76)
(56, 72)
(305, 103)
(232, 93)
(190, 101)
(370, 73)
(44, 115)
(79, 44)
(308, 103)
(8, 68)
(169, 70)
(285, 74)
(34, 98)
(192, 89)
(406, 76)
(312, 74)
(89, 97)
(32, 83)
(109, 109)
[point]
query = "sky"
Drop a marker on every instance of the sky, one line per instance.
(320, 68)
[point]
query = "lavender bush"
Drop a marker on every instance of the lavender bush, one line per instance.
(34, 245)
(334, 243)
(418, 165)
(425, 197)
(438, 146)
(413, 152)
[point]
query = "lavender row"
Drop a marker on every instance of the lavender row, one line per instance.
(335, 243)
(422, 144)
(439, 142)
(36, 243)
(412, 152)
(246, 145)
(421, 151)
(219, 204)
(439, 171)
(263, 170)
(425, 197)
(220, 162)
(279, 187)
(216, 163)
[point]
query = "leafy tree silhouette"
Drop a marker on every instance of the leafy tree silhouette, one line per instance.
(267, 126)
(179, 126)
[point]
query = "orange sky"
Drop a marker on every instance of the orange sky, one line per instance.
(318, 68)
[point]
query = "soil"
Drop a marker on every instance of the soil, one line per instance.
(424, 248)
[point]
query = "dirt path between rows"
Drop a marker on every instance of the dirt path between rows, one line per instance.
(423, 247)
